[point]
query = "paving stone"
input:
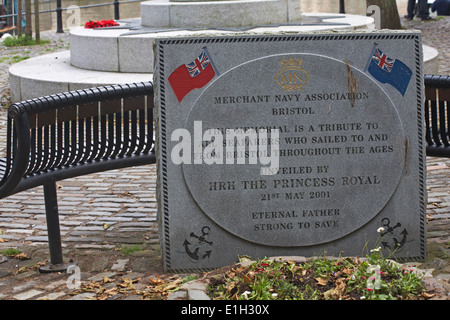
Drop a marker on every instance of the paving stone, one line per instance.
(97, 213)
(120, 265)
(14, 225)
(52, 296)
(197, 295)
(28, 294)
(84, 239)
(178, 295)
(55, 284)
(100, 276)
(89, 228)
(83, 296)
(37, 238)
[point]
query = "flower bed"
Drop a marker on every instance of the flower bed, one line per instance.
(372, 278)
(100, 24)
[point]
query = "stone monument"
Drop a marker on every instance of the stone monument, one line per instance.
(289, 144)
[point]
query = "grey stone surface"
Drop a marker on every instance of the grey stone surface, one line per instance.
(131, 57)
(120, 265)
(197, 295)
(48, 74)
(216, 14)
(346, 160)
(95, 53)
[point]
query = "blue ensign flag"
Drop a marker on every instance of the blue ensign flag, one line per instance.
(390, 71)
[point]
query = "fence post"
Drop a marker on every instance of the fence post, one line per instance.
(19, 18)
(116, 10)
(59, 27)
(341, 6)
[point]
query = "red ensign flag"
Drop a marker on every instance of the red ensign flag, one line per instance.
(194, 75)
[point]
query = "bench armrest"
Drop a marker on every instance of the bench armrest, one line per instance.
(21, 150)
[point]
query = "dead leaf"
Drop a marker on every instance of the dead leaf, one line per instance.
(340, 287)
(157, 281)
(42, 263)
(106, 280)
(244, 258)
(230, 286)
(322, 281)
(22, 270)
(328, 295)
(240, 269)
(21, 256)
(336, 293)
(127, 284)
(246, 278)
(169, 286)
(347, 271)
(427, 295)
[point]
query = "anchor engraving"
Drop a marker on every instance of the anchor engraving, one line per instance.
(192, 249)
(388, 230)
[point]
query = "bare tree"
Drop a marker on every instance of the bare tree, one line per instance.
(28, 29)
(37, 29)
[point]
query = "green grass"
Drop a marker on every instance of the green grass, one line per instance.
(127, 250)
(16, 59)
(13, 59)
(11, 252)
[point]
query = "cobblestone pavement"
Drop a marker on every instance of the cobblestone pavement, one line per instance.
(108, 220)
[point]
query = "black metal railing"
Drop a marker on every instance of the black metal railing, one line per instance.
(437, 115)
(341, 6)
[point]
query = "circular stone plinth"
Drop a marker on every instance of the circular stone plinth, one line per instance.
(131, 49)
(53, 73)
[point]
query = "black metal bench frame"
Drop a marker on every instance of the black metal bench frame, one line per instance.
(437, 115)
(72, 134)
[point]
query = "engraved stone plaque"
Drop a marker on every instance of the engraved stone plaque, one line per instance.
(289, 145)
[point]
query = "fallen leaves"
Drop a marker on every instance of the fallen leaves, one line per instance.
(148, 289)
(21, 256)
(338, 292)
(31, 267)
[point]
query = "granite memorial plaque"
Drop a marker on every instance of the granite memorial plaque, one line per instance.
(289, 145)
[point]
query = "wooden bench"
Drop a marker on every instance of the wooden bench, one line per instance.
(7, 29)
(437, 115)
(72, 134)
